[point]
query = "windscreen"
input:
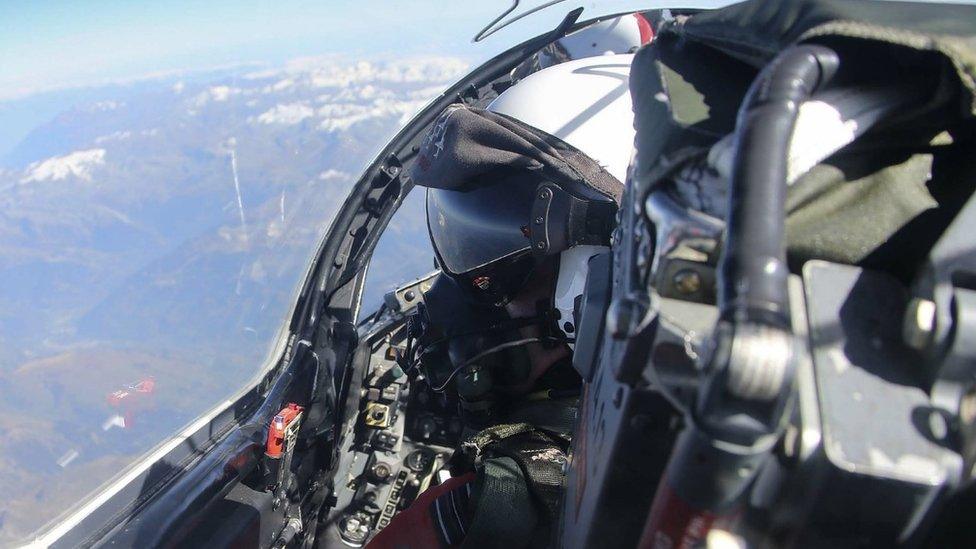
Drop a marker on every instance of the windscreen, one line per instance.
(472, 228)
(166, 174)
(167, 171)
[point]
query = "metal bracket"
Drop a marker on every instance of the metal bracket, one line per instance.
(549, 212)
(686, 249)
(560, 221)
(941, 322)
(406, 298)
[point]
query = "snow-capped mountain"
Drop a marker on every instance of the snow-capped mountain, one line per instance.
(162, 232)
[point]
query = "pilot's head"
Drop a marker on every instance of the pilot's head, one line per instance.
(484, 230)
(521, 195)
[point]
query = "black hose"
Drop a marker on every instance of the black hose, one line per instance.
(717, 457)
(753, 271)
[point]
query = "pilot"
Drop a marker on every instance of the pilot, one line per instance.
(520, 196)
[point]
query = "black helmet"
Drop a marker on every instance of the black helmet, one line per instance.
(502, 196)
(508, 187)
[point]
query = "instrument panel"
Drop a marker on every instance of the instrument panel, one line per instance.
(401, 442)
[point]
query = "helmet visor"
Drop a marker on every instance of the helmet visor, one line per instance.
(472, 228)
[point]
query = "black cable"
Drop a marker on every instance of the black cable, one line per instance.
(483, 354)
(502, 325)
(509, 324)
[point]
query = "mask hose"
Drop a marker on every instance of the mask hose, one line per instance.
(747, 383)
(753, 269)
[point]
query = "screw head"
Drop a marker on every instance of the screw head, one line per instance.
(687, 281)
(919, 323)
(967, 408)
(938, 425)
(381, 471)
(538, 220)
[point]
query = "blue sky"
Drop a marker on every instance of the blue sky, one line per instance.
(49, 44)
(56, 44)
(56, 53)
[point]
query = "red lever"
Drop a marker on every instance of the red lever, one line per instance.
(279, 425)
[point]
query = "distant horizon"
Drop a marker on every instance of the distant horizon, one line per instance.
(50, 46)
(57, 53)
(57, 45)
(19, 117)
